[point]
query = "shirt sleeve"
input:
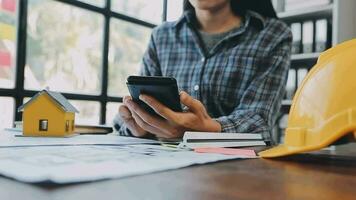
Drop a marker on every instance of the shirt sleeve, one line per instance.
(256, 112)
(149, 67)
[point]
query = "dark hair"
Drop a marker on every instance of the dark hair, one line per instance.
(239, 7)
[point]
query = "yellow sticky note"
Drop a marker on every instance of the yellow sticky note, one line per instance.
(7, 32)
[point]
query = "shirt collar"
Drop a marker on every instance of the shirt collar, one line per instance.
(257, 19)
(251, 17)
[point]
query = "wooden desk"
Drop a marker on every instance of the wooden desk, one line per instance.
(299, 177)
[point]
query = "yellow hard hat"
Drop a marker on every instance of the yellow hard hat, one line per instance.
(324, 106)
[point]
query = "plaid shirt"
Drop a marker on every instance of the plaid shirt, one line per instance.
(240, 81)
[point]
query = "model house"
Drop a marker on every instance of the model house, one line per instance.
(48, 114)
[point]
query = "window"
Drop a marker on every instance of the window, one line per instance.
(146, 10)
(8, 21)
(84, 49)
(174, 9)
(7, 112)
(67, 125)
(112, 109)
(89, 111)
(99, 3)
(128, 42)
(64, 48)
(43, 125)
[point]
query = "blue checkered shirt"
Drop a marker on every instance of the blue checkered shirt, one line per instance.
(240, 81)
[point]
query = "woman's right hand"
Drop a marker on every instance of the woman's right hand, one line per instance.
(126, 116)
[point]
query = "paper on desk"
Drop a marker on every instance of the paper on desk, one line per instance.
(68, 164)
(8, 139)
(248, 153)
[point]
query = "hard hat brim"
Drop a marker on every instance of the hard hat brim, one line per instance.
(283, 150)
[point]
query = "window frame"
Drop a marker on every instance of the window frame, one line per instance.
(19, 92)
(43, 125)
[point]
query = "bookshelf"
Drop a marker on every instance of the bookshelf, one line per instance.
(304, 58)
(312, 12)
(341, 14)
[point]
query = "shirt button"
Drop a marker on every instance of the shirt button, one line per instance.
(203, 59)
(196, 87)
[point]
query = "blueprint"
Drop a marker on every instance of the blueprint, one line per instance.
(69, 164)
(11, 139)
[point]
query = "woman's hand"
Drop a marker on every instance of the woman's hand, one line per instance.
(171, 124)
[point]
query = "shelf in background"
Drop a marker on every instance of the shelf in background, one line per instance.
(307, 13)
(286, 105)
(308, 59)
(287, 102)
(305, 56)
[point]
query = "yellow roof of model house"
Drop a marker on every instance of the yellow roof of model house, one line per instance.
(57, 98)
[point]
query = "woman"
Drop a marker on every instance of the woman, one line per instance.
(230, 57)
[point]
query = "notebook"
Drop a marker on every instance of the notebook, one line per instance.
(206, 139)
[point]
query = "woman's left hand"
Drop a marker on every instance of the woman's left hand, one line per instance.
(173, 124)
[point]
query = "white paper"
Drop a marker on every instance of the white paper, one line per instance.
(8, 139)
(68, 164)
(219, 136)
(193, 145)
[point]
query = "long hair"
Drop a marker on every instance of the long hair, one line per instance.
(239, 7)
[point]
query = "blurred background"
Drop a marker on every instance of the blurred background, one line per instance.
(86, 49)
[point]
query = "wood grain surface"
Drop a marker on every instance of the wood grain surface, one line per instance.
(307, 176)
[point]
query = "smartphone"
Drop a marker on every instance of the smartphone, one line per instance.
(163, 89)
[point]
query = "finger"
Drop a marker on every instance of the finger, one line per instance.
(149, 119)
(175, 117)
(146, 120)
(159, 124)
(147, 127)
(125, 99)
(193, 104)
(124, 112)
(144, 115)
(130, 123)
(163, 128)
(135, 129)
(159, 108)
